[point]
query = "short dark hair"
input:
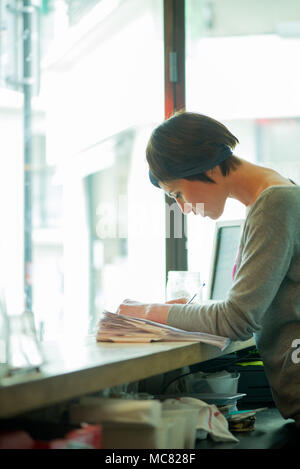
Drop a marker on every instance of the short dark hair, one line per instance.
(185, 139)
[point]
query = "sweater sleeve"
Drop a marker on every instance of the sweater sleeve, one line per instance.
(265, 260)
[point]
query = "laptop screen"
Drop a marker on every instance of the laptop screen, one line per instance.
(226, 243)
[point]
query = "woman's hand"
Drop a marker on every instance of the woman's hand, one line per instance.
(132, 308)
(153, 312)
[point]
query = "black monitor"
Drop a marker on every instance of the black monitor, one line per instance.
(226, 243)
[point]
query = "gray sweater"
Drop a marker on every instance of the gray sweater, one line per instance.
(264, 299)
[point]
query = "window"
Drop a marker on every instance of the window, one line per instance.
(83, 228)
(87, 120)
(241, 70)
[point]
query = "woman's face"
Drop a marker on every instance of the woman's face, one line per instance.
(205, 198)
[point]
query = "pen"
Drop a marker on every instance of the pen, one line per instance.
(191, 299)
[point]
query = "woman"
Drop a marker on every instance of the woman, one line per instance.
(190, 157)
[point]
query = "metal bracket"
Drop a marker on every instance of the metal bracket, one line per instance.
(25, 81)
(20, 11)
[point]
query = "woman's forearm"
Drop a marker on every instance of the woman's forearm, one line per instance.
(157, 312)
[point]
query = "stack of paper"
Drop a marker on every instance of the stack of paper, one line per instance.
(118, 328)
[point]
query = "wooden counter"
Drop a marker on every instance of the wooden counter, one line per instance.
(76, 368)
